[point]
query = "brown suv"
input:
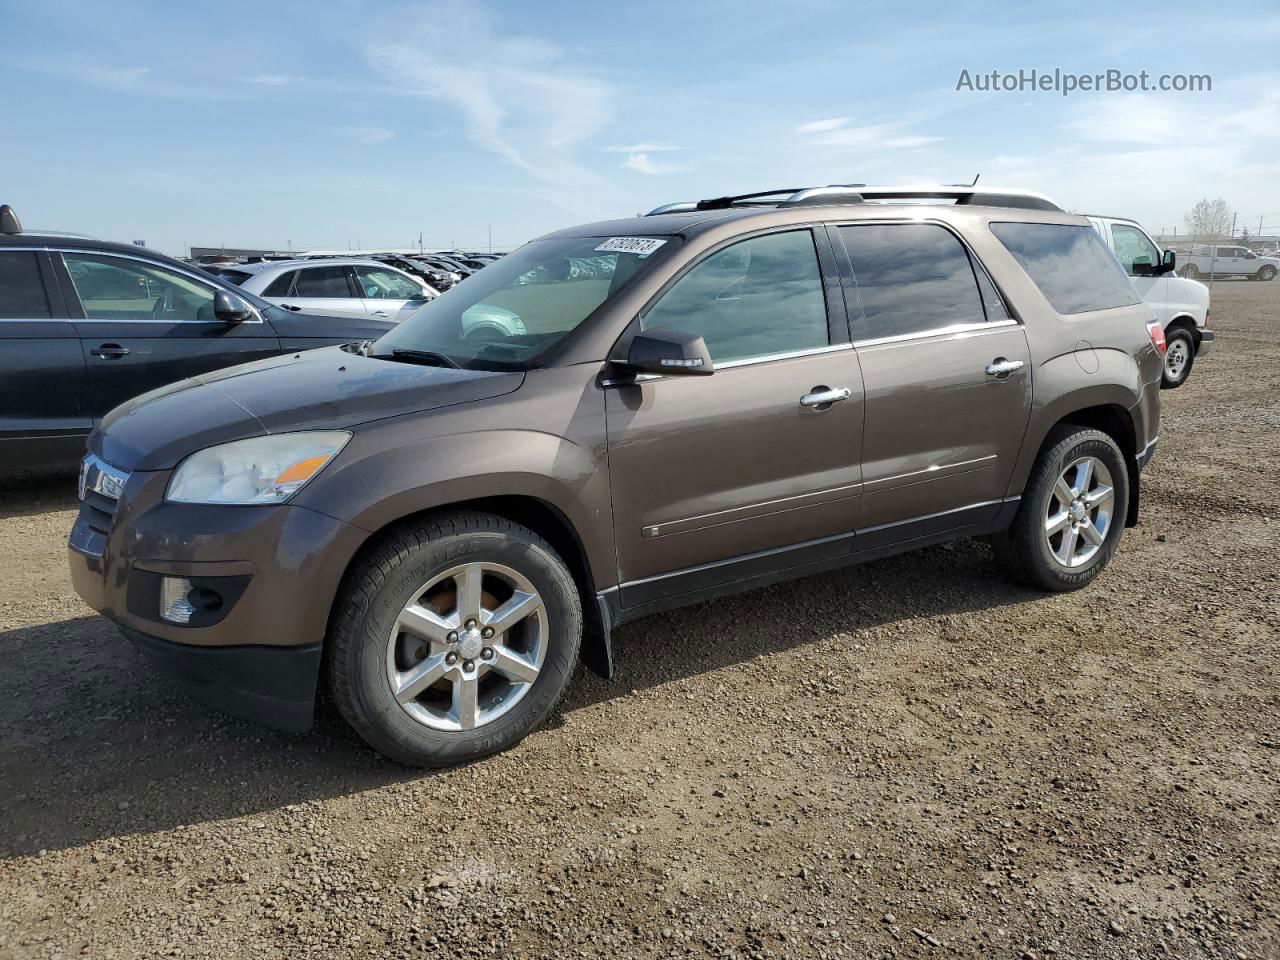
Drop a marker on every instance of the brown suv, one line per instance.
(716, 396)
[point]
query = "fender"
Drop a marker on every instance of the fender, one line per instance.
(1115, 381)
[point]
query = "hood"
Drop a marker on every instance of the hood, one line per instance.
(328, 389)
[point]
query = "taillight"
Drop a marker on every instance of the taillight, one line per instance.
(1156, 332)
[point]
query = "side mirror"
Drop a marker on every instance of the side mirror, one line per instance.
(229, 308)
(1143, 267)
(1250, 255)
(669, 352)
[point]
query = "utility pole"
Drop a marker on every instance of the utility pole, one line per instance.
(1233, 226)
(491, 238)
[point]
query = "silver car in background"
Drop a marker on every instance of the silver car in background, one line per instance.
(338, 287)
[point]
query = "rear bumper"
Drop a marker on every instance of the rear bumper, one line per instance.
(1205, 343)
(274, 686)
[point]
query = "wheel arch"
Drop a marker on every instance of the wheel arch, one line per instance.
(550, 523)
(1185, 322)
(1117, 423)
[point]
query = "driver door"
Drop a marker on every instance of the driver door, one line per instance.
(142, 325)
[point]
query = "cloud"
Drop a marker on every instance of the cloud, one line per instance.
(643, 163)
(270, 79)
(836, 132)
(821, 126)
(643, 148)
(516, 94)
(367, 134)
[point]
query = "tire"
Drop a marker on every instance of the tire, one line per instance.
(369, 648)
(1179, 356)
(1267, 273)
(1191, 272)
(1025, 552)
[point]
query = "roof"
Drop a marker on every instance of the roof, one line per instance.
(297, 264)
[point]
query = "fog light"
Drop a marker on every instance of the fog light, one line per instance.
(175, 600)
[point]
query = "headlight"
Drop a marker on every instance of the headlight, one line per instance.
(267, 469)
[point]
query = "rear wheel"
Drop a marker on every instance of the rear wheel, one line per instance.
(1191, 272)
(453, 639)
(1179, 355)
(1072, 512)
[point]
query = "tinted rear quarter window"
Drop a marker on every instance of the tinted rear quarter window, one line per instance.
(22, 294)
(911, 278)
(1070, 265)
(281, 285)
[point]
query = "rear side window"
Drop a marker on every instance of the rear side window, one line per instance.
(912, 278)
(22, 293)
(1069, 264)
(281, 285)
(325, 282)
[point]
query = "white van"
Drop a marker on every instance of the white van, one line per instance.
(1181, 305)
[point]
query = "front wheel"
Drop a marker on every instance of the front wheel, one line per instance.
(453, 639)
(1179, 355)
(1072, 512)
(1267, 273)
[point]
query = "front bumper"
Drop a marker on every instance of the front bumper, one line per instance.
(1205, 343)
(276, 569)
(274, 686)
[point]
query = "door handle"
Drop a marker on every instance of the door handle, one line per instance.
(1000, 368)
(381, 313)
(110, 351)
(822, 397)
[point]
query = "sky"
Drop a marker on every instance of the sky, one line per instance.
(341, 125)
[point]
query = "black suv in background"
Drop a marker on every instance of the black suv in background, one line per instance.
(86, 325)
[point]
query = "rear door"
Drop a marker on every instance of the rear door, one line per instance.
(143, 324)
(44, 404)
(947, 376)
(388, 294)
(718, 478)
(323, 290)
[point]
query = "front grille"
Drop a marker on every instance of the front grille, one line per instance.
(101, 486)
(97, 512)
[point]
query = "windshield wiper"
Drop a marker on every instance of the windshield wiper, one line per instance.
(427, 358)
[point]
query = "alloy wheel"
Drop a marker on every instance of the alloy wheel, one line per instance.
(1079, 513)
(467, 647)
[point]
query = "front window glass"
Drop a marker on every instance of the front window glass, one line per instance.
(511, 312)
(1132, 247)
(117, 289)
(377, 283)
(756, 298)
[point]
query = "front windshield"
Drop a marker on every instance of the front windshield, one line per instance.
(514, 310)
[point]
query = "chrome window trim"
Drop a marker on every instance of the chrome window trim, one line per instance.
(190, 274)
(955, 328)
(733, 364)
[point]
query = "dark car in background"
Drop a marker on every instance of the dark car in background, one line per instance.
(86, 325)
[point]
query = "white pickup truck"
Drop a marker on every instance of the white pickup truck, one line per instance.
(1229, 261)
(1181, 305)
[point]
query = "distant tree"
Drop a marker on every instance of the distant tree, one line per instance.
(1209, 220)
(1244, 235)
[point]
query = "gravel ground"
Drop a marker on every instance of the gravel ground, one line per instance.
(909, 758)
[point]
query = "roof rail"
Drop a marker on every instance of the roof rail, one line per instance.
(860, 192)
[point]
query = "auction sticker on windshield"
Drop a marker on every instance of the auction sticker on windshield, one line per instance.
(640, 246)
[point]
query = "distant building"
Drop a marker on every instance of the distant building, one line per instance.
(211, 254)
